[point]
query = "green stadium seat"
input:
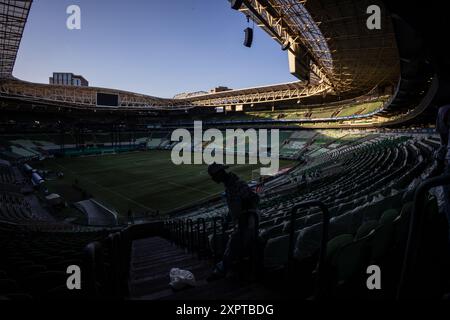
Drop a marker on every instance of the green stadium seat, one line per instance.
(276, 252)
(335, 244)
(384, 235)
(272, 232)
(308, 241)
(388, 216)
(350, 258)
(365, 229)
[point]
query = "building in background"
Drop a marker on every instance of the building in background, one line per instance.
(220, 89)
(68, 79)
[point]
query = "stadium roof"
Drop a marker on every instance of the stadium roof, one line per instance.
(348, 59)
(344, 51)
(276, 92)
(13, 17)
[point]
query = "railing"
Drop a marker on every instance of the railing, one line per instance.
(100, 281)
(216, 254)
(202, 246)
(192, 235)
(416, 229)
(93, 259)
(183, 233)
(114, 241)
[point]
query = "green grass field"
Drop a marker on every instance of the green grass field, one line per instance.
(140, 181)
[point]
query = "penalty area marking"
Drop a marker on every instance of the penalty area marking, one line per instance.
(106, 188)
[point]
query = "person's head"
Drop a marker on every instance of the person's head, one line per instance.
(217, 172)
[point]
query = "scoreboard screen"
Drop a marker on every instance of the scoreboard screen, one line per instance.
(300, 64)
(107, 99)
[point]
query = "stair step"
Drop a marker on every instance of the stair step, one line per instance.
(151, 261)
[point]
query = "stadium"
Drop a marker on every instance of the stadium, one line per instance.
(355, 210)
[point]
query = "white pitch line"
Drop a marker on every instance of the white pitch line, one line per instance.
(192, 188)
(105, 188)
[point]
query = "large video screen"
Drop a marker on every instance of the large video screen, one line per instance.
(300, 64)
(107, 99)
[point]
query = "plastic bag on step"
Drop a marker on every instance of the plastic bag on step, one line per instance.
(180, 279)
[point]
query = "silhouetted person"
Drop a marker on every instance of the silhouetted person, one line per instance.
(442, 155)
(243, 212)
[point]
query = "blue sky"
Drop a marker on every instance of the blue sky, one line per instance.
(156, 47)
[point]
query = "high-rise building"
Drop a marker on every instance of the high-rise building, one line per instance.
(68, 79)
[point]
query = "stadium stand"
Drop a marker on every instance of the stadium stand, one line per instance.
(364, 179)
(357, 129)
(33, 264)
(369, 203)
(36, 248)
(321, 112)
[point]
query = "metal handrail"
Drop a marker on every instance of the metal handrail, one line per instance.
(171, 228)
(190, 234)
(215, 219)
(114, 240)
(416, 230)
(92, 257)
(201, 236)
(182, 234)
(176, 231)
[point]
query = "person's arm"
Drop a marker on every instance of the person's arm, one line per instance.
(441, 153)
(440, 161)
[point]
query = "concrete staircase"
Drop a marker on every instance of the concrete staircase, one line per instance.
(151, 261)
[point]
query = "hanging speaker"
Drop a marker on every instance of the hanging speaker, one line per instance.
(248, 37)
(236, 4)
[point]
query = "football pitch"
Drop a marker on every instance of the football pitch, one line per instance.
(140, 181)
